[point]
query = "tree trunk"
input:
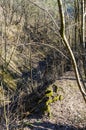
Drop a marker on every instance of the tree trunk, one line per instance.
(62, 33)
(83, 35)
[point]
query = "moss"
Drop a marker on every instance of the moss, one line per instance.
(47, 110)
(49, 101)
(56, 98)
(8, 80)
(43, 104)
(61, 97)
(52, 96)
(48, 93)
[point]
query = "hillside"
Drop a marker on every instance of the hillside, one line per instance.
(69, 113)
(42, 65)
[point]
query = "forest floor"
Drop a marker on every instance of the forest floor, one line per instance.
(68, 114)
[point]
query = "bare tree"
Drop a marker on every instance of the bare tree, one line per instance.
(62, 33)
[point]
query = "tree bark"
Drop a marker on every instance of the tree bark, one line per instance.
(83, 15)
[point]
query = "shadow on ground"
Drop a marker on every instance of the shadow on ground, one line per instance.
(50, 126)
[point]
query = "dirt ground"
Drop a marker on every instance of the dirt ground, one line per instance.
(68, 114)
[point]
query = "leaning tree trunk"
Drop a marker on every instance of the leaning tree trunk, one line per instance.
(63, 35)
